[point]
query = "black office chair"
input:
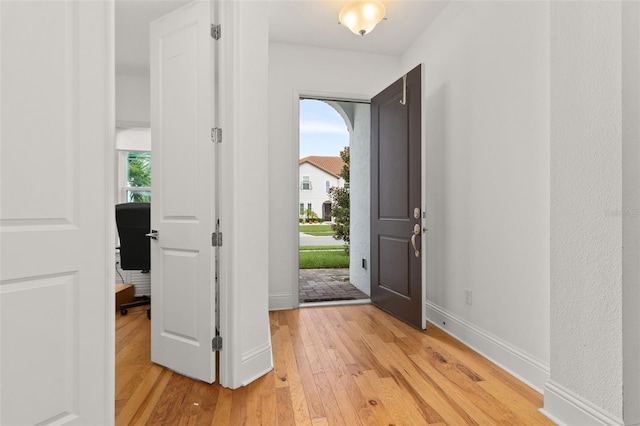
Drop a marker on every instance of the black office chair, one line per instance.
(134, 223)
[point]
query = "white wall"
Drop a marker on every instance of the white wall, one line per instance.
(486, 121)
(317, 195)
(300, 70)
(595, 80)
(132, 100)
(132, 110)
(245, 253)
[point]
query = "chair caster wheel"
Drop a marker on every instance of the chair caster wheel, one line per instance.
(123, 312)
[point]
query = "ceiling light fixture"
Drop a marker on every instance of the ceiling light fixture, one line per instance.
(361, 17)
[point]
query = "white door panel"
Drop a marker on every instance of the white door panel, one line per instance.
(182, 208)
(56, 298)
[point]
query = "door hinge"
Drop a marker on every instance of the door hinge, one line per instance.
(216, 31)
(216, 135)
(216, 239)
(216, 344)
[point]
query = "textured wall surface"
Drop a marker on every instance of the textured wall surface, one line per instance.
(360, 198)
(586, 201)
(487, 156)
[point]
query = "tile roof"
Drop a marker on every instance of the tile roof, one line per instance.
(331, 165)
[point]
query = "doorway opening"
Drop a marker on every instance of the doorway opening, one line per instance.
(333, 200)
(133, 174)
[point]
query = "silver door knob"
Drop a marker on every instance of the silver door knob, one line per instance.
(153, 234)
(416, 232)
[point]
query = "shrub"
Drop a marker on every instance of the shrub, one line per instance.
(340, 203)
(311, 216)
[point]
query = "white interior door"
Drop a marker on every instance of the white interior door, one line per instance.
(56, 213)
(183, 198)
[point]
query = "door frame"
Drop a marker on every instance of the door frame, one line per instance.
(237, 365)
(225, 364)
(295, 152)
(226, 72)
(110, 188)
(424, 243)
(299, 94)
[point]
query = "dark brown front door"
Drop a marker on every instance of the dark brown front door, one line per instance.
(326, 211)
(396, 284)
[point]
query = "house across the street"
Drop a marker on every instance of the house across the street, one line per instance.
(317, 175)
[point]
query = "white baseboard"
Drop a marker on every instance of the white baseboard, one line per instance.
(256, 364)
(280, 301)
(521, 365)
(566, 408)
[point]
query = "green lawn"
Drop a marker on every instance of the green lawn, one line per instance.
(317, 230)
(323, 258)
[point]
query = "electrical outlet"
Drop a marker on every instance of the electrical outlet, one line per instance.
(467, 296)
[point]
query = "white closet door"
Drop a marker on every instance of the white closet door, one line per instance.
(56, 232)
(183, 198)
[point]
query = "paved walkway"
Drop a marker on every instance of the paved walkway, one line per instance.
(327, 285)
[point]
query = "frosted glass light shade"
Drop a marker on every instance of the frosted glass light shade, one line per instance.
(361, 17)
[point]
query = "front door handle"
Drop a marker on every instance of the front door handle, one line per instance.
(416, 232)
(153, 234)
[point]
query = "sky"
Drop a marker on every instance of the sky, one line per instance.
(322, 129)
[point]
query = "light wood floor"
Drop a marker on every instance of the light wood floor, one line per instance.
(346, 365)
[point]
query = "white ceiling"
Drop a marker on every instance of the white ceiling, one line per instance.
(315, 23)
(306, 22)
